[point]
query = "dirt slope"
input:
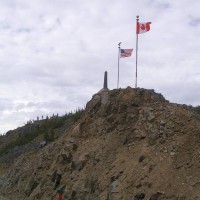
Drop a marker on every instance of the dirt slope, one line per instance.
(131, 144)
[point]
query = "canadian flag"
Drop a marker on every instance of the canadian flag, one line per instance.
(142, 27)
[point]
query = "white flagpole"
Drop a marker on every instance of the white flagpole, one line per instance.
(137, 19)
(118, 65)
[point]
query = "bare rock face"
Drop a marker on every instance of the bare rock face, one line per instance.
(131, 144)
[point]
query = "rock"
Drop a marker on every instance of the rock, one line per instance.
(157, 196)
(74, 147)
(72, 140)
(32, 185)
(105, 98)
(152, 136)
(139, 196)
(151, 167)
(193, 180)
(141, 158)
(78, 165)
(114, 186)
(162, 123)
(172, 153)
(151, 117)
(65, 158)
(76, 131)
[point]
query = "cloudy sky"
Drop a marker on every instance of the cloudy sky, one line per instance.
(53, 53)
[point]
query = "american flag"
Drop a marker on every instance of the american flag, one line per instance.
(125, 53)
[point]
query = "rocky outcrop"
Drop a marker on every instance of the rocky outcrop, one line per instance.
(131, 144)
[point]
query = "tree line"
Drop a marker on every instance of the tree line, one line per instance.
(47, 128)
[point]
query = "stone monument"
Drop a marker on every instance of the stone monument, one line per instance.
(105, 84)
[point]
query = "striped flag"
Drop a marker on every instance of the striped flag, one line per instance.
(125, 53)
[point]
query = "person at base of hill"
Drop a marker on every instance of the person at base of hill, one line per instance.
(60, 196)
(60, 193)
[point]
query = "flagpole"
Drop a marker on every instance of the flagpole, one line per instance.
(118, 65)
(137, 19)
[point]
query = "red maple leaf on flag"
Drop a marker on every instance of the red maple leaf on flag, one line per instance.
(142, 27)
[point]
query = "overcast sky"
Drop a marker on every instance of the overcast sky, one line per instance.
(53, 53)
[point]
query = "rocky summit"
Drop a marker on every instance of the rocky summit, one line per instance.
(130, 144)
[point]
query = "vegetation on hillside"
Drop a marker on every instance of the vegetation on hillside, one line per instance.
(197, 109)
(46, 128)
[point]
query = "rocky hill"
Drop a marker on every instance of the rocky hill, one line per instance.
(130, 144)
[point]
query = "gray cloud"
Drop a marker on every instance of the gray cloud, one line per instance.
(53, 53)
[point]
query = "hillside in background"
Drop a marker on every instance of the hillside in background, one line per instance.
(128, 144)
(33, 134)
